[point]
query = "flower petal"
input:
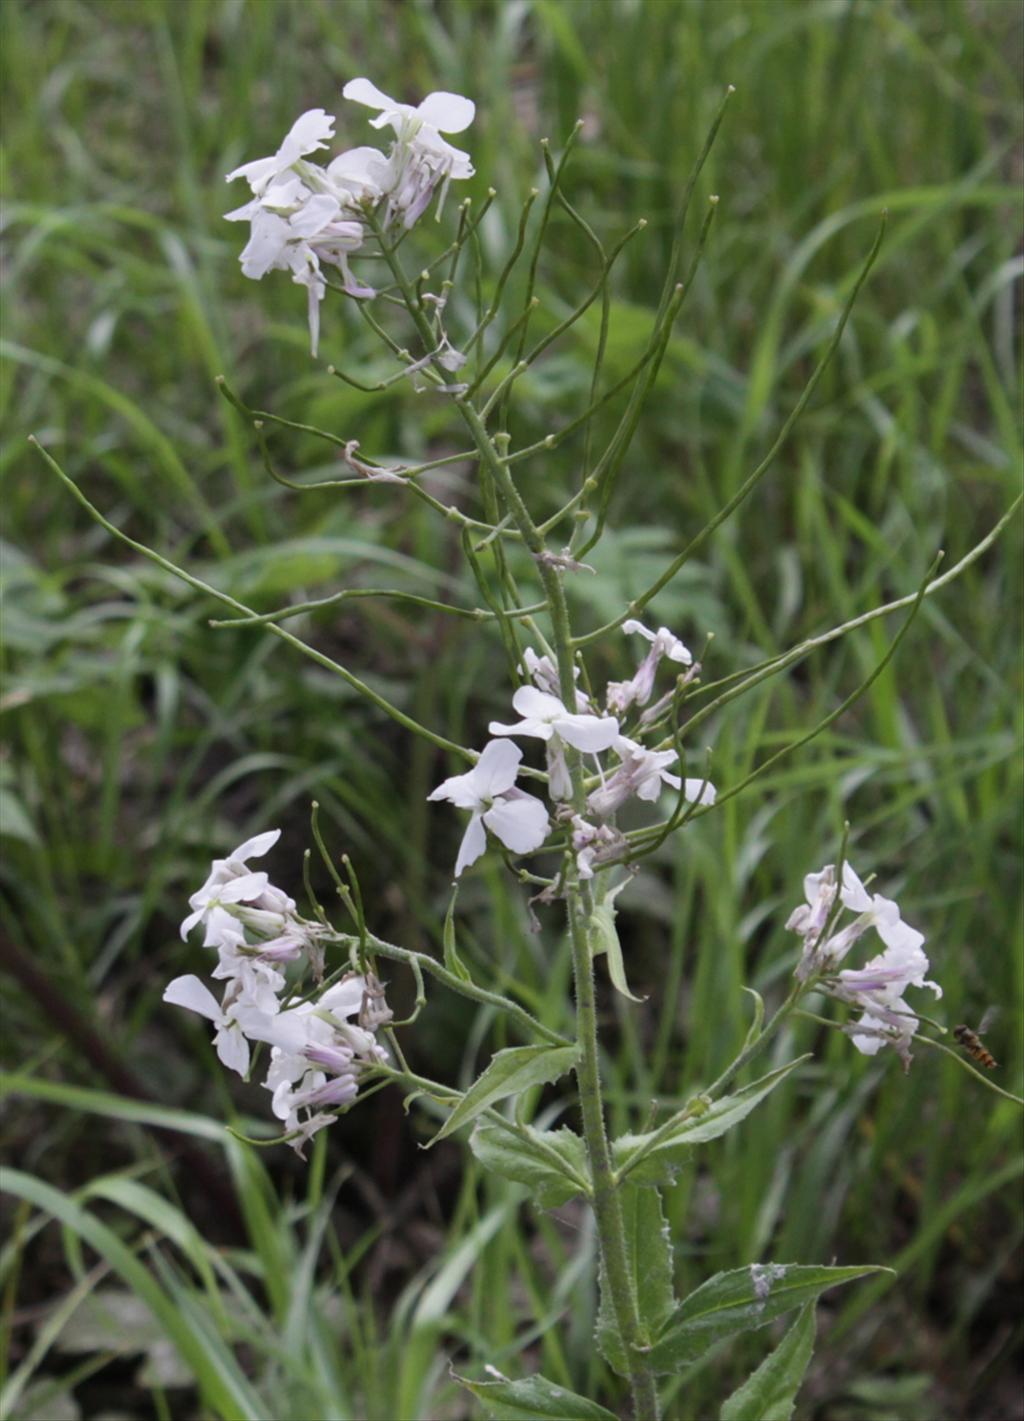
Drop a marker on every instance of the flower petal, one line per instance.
(361, 91)
(537, 705)
(474, 841)
(450, 113)
(521, 824)
(853, 893)
(310, 131)
(344, 998)
(190, 993)
(700, 791)
(460, 790)
(190, 922)
(232, 1048)
(539, 730)
(245, 889)
(587, 732)
(496, 770)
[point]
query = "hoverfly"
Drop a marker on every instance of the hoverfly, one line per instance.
(972, 1043)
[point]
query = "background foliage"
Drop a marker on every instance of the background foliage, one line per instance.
(138, 741)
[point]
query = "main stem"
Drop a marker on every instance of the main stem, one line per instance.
(606, 1203)
(607, 1206)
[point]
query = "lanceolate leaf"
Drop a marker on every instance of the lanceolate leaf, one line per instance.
(649, 1255)
(741, 1299)
(606, 940)
(769, 1394)
(551, 1163)
(534, 1399)
(656, 1162)
(511, 1071)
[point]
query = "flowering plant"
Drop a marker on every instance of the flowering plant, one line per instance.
(611, 788)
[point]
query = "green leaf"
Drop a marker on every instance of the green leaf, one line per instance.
(534, 1399)
(658, 1162)
(605, 938)
(741, 1299)
(452, 960)
(649, 1259)
(551, 1163)
(769, 1394)
(513, 1070)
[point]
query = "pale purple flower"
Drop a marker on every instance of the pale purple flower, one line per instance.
(594, 844)
(519, 820)
(621, 695)
(877, 988)
(317, 1055)
(644, 773)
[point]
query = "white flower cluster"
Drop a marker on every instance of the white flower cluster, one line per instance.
(876, 988)
(303, 215)
(519, 820)
(316, 1047)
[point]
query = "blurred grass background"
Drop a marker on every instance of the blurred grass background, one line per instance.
(137, 742)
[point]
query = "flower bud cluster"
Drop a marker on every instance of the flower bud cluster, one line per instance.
(876, 988)
(303, 215)
(317, 1050)
(521, 821)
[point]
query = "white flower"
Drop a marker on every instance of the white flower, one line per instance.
(231, 882)
(420, 159)
(234, 1022)
(544, 715)
(644, 773)
(622, 694)
(307, 134)
(439, 112)
(295, 230)
(519, 820)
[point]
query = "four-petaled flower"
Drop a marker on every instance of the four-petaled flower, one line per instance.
(644, 773)
(518, 819)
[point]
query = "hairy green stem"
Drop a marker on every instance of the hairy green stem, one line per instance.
(606, 1203)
